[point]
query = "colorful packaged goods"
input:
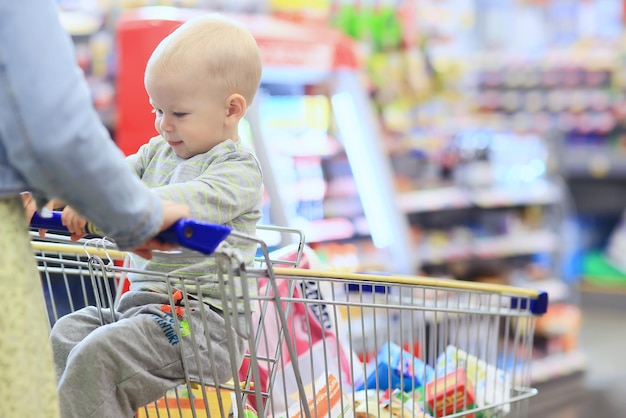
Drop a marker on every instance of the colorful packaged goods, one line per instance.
(492, 386)
(180, 402)
(391, 403)
(395, 368)
(450, 394)
(329, 401)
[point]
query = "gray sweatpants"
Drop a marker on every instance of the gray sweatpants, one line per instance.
(113, 370)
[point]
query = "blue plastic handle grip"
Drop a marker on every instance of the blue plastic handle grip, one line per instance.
(199, 236)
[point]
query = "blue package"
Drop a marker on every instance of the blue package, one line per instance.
(395, 368)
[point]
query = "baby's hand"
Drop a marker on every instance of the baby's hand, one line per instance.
(74, 223)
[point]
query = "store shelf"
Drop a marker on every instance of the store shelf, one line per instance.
(440, 255)
(556, 289)
(594, 161)
(612, 298)
(303, 146)
(515, 244)
(322, 230)
(491, 247)
(603, 285)
(539, 193)
(566, 393)
(557, 365)
(434, 199)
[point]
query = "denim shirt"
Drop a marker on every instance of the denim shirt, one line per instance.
(51, 139)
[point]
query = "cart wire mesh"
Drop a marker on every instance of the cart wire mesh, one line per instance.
(332, 344)
(93, 273)
(415, 347)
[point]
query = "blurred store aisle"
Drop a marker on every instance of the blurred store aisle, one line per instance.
(601, 391)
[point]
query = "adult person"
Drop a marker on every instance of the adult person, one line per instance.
(53, 144)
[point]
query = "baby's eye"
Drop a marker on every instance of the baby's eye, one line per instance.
(159, 112)
(179, 114)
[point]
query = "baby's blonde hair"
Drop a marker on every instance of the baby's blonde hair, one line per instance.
(225, 50)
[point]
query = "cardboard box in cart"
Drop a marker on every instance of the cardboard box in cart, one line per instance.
(180, 407)
(329, 401)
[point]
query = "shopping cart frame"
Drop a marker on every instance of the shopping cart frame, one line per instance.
(527, 303)
(101, 254)
(522, 304)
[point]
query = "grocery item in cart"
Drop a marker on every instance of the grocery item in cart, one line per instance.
(491, 384)
(394, 403)
(395, 368)
(328, 401)
(181, 398)
(316, 346)
(450, 394)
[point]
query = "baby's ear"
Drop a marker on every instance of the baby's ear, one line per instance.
(236, 107)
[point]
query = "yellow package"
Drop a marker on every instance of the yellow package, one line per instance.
(180, 406)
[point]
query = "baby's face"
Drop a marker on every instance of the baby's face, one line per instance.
(189, 114)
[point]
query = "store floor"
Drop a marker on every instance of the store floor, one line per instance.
(601, 391)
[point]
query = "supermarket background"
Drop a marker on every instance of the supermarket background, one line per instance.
(480, 140)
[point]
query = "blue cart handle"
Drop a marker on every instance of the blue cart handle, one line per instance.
(199, 236)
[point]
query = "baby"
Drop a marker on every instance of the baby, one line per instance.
(200, 80)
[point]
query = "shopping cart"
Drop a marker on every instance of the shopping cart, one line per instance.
(93, 273)
(417, 347)
(334, 344)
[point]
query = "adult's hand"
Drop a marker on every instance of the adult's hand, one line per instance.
(172, 212)
(30, 207)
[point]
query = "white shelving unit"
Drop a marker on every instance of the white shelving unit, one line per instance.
(557, 365)
(336, 68)
(454, 197)
(492, 247)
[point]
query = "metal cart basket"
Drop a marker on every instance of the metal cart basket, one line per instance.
(413, 346)
(332, 344)
(93, 273)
